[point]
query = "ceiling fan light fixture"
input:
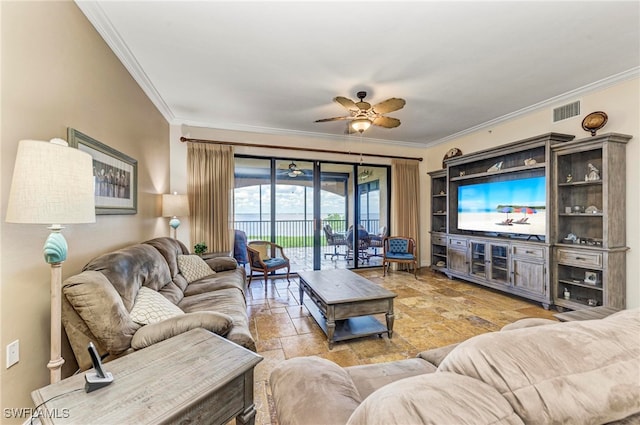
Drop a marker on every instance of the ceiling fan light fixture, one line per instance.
(360, 124)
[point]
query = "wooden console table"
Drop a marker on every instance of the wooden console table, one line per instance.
(196, 377)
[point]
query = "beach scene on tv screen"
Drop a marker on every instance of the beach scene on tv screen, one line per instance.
(514, 206)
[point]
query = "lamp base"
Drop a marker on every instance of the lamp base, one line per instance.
(174, 223)
(55, 247)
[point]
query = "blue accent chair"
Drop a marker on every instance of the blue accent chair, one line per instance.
(401, 250)
(266, 257)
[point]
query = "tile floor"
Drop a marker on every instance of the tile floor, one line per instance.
(430, 312)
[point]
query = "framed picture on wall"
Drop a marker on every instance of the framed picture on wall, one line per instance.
(115, 175)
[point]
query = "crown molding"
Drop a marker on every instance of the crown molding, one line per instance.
(562, 98)
(95, 14)
(295, 133)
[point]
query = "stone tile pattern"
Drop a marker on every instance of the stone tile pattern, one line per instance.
(430, 312)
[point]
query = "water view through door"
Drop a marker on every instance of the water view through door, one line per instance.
(309, 208)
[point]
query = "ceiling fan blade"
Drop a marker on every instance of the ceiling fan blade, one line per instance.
(386, 122)
(389, 105)
(348, 104)
(333, 119)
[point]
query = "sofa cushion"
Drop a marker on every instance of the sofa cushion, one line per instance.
(193, 267)
(132, 267)
(571, 373)
(435, 398)
(228, 301)
(368, 378)
(319, 388)
(152, 307)
(150, 334)
(222, 280)
(100, 306)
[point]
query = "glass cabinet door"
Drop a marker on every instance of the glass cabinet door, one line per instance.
(478, 259)
(499, 264)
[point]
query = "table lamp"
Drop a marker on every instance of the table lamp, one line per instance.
(174, 206)
(52, 184)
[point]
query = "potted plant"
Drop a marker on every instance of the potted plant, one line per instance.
(200, 248)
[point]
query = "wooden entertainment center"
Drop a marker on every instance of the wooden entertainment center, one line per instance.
(569, 252)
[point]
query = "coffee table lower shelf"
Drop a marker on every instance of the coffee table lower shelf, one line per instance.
(353, 327)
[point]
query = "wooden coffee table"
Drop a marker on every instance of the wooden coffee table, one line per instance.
(343, 304)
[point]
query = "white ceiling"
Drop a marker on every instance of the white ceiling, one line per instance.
(274, 67)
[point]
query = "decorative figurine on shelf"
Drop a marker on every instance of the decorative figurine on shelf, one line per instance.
(530, 161)
(593, 174)
(566, 294)
(569, 178)
(495, 167)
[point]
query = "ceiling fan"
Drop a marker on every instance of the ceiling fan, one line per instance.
(292, 170)
(362, 114)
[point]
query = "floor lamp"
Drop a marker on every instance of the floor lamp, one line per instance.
(52, 184)
(174, 206)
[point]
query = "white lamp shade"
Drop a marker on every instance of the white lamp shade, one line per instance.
(52, 184)
(174, 205)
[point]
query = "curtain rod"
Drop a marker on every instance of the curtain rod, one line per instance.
(251, 145)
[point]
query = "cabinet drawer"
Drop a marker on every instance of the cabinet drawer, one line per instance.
(528, 251)
(439, 240)
(580, 258)
(456, 242)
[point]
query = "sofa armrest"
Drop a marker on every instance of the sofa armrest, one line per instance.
(221, 264)
(312, 390)
(436, 355)
(209, 255)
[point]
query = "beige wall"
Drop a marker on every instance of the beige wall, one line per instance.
(621, 102)
(57, 72)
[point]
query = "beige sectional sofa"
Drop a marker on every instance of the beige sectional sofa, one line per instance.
(144, 293)
(534, 371)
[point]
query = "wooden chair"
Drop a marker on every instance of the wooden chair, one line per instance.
(401, 250)
(266, 257)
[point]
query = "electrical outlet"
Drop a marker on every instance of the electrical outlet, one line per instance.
(13, 353)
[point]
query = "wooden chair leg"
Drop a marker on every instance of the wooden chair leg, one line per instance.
(250, 278)
(265, 280)
(288, 269)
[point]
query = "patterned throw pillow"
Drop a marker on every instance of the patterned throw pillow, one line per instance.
(152, 307)
(193, 267)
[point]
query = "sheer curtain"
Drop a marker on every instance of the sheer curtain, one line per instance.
(405, 199)
(210, 169)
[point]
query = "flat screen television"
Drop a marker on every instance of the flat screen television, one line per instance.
(513, 206)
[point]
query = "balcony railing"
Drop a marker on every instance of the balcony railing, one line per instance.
(295, 233)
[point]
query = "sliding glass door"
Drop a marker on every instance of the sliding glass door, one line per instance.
(311, 208)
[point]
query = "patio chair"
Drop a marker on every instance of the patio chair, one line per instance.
(401, 250)
(363, 244)
(333, 239)
(376, 241)
(266, 257)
